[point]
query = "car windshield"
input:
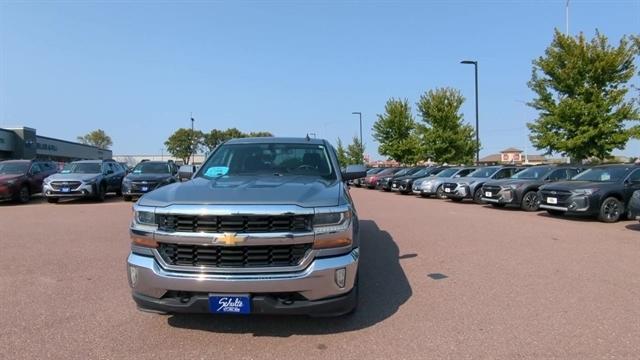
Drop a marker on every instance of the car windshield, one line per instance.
(402, 172)
(268, 159)
(151, 168)
(421, 172)
(81, 168)
(534, 173)
(484, 172)
(447, 172)
(13, 168)
(602, 174)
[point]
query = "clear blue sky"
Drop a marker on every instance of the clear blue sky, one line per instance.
(137, 69)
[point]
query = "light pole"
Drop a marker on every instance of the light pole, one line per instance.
(566, 14)
(475, 65)
(192, 141)
(361, 144)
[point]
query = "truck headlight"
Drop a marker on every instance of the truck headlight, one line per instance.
(331, 222)
(145, 218)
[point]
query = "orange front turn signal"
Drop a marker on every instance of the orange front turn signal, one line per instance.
(331, 243)
(144, 242)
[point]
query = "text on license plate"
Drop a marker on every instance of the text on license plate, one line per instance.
(552, 200)
(487, 194)
(447, 190)
(395, 185)
(230, 304)
(65, 189)
(144, 188)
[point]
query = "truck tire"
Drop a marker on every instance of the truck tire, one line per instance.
(611, 210)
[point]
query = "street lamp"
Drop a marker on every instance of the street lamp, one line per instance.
(193, 138)
(361, 144)
(475, 65)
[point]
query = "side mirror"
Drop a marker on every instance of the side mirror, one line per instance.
(353, 172)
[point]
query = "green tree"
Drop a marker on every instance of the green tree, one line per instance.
(355, 152)
(444, 136)
(260, 134)
(342, 154)
(395, 132)
(213, 138)
(581, 89)
(97, 138)
(184, 142)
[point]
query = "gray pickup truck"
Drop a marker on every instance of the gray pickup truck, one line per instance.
(265, 226)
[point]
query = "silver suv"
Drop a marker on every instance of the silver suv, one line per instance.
(266, 225)
(84, 179)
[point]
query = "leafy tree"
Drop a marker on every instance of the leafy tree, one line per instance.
(355, 152)
(216, 137)
(213, 138)
(184, 142)
(395, 132)
(260, 134)
(97, 138)
(581, 89)
(445, 138)
(342, 154)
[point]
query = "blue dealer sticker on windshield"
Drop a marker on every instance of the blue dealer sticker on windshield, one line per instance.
(216, 171)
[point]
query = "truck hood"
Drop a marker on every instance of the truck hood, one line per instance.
(72, 177)
(304, 191)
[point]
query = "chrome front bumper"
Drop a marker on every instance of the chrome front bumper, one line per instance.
(80, 191)
(317, 281)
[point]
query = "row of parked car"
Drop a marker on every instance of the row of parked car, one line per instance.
(20, 179)
(608, 192)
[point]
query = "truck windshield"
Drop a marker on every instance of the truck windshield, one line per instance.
(270, 160)
(534, 173)
(13, 168)
(82, 168)
(151, 168)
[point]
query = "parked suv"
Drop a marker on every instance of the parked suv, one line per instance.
(522, 188)
(433, 185)
(265, 226)
(148, 176)
(470, 187)
(86, 178)
(603, 191)
(19, 179)
(385, 181)
(404, 184)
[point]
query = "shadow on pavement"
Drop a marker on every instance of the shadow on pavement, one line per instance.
(383, 289)
(634, 227)
(578, 218)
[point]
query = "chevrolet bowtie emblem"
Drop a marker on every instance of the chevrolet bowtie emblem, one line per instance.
(229, 239)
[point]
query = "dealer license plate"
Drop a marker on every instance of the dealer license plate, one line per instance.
(447, 190)
(488, 194)
(145, 188)
(230, 304)
(65, 189)
(552, 200)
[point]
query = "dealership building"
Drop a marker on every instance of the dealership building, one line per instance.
(24, 143)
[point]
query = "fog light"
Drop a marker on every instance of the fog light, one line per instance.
(341, 277)
(133, 276)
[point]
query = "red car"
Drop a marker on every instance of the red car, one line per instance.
(19, 179)
(371, 181)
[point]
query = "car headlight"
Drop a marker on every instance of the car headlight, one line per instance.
(514, 186)
(331, 221)
(46, 181)
(145, 218)
(584, 191)
(90, 181)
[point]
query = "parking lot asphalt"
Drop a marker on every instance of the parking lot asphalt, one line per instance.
(438, 280)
